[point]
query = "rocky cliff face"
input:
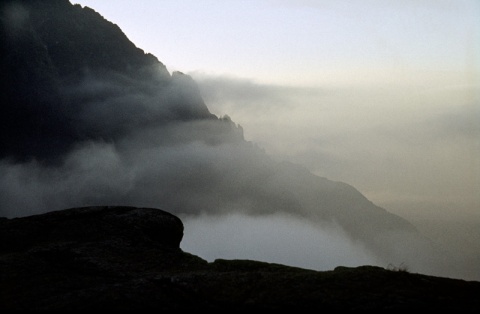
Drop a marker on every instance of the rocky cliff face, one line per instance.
(127, 258)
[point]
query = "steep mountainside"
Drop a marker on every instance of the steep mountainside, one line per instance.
(87, 118)
(51, 49)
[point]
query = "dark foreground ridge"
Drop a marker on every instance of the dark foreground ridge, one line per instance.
(128, 258)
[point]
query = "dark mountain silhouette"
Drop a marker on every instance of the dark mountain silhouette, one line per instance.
(128, 258)
(48, 50)
(88, 118)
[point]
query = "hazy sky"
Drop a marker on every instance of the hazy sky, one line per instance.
(383, 95)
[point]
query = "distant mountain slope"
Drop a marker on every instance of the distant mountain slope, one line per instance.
(88, 118)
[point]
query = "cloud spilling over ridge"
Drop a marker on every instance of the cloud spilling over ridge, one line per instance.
(110, 128)
(392, 142)
(190, 166)
(411, 150)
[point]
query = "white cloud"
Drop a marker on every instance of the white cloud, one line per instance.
(276, 238)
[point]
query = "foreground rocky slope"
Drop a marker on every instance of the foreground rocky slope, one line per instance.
(129, 258)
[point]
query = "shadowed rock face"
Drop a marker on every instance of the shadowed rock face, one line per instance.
(128, 258)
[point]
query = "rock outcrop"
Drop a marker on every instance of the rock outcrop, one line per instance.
(127, 258)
